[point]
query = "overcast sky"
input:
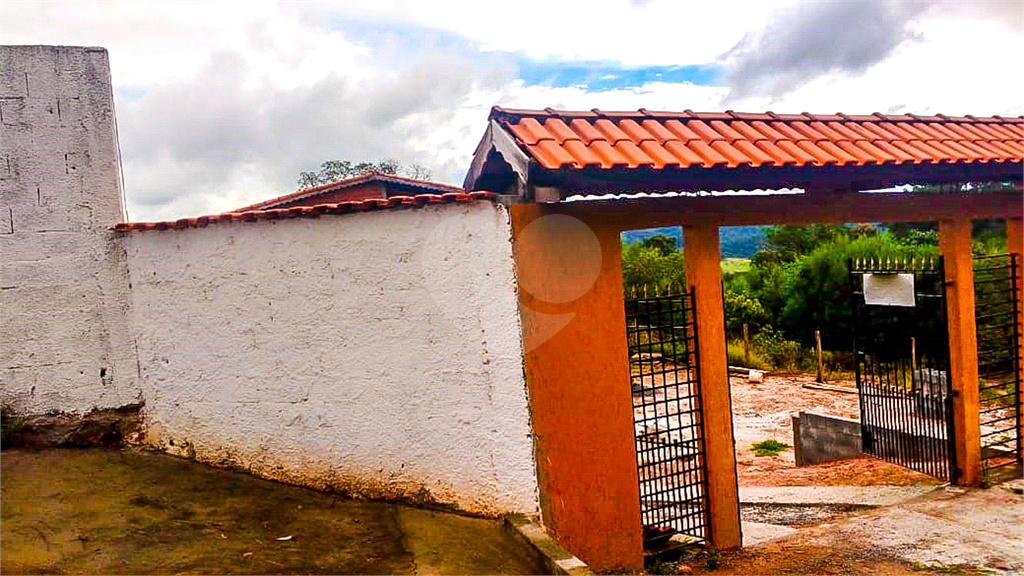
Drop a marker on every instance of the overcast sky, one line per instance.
(220, 105)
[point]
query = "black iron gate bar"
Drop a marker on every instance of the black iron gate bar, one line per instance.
(905, 398)
(665, 381)
(996, 317)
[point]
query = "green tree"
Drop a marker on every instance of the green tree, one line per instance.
(648, 268)
(816, 289)
(334, 170)
(786, 243)
(663, 243)
(742, 308)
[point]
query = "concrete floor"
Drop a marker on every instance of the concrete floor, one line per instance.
(946, 531)
(114, 512)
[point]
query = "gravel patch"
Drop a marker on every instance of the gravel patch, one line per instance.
(796, 515)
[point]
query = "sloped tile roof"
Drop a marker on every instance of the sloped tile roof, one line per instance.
(426, 186)
(392, 203)
(655, 140)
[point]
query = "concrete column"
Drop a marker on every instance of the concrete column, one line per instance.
(704, 275)
(569, 273)
(1015, 243)
(955, 245)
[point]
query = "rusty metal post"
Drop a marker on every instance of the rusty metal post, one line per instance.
(746, 344)
(817, 343)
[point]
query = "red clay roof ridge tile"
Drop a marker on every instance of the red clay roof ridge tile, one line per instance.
(349, 182)
(498, 112)
(372, 204)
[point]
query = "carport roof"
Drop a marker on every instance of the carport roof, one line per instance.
(592, 151)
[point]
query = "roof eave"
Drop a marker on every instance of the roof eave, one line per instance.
(595, 180)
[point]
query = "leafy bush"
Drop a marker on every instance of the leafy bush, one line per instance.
(11, 426)
(742, 308)
(770, 447)
(779, 352)
(734, 349)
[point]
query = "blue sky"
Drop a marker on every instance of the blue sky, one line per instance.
(220, 106)
(602, 76)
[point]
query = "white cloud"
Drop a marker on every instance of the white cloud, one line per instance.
(221, 104)
(930, 76)
(660, 32)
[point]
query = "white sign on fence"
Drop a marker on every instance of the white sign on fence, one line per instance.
(889, 289)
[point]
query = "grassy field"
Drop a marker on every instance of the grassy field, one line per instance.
(735, 265)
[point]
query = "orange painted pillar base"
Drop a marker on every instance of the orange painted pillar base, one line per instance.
(569, 275)
(704, 275)
(955, 245)
(1015, 244)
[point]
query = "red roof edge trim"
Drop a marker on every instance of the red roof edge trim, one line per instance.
(432, 186)
(514, 114)
(374, 204)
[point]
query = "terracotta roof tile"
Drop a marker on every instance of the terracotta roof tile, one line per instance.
(682, 131)
(657, 130)
(391, 203)
(583, 155)
(780, 156)
(633, 154)
(577, 139)
(659, 154)
(709, 155)
(684, 155)
(562, 133)
(609, 157)
(307, 195)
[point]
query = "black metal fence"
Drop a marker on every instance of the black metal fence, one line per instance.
(662, 338)
(902, 369)
(996, 306)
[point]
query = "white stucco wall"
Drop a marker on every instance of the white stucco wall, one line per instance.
(64, 344)
(377, 353)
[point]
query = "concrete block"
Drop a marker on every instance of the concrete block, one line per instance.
(819, 438)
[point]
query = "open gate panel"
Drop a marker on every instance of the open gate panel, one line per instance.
(665, 383)
(996, 290)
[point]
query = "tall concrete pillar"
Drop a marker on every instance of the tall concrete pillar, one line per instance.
(569, 274)
(704, 274)
(955, 245)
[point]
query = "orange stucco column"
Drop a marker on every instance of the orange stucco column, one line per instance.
(577, 373)
(1015, 243)
(955, 245)
(704, 274)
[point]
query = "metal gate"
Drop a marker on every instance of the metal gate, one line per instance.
(901, 352)
(665, 381)
(996, 307)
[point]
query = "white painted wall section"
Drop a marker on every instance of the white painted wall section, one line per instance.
(64, 343)
(376, 353)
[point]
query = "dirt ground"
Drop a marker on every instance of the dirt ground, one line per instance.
(121, 512)
(763, 411)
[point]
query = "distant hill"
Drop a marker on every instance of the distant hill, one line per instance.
(737, 241)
